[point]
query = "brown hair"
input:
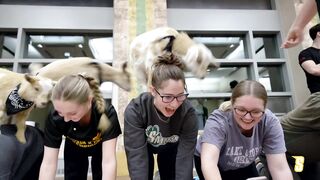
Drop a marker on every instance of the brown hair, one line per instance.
(78, 88)
(247, 87)
(168, 66)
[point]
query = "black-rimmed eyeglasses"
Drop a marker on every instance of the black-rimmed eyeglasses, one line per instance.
(169, 98)
(243, 112)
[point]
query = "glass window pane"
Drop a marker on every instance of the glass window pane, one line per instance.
(220, 4)
(279, 105)
(217, 81)
(224, 47)
(271, 76)
(8, 66)
(204, 107)
(67, 46)
(8, 43)
(266, 46)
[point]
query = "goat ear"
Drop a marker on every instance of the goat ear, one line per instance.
(126, 68)
(30, 78)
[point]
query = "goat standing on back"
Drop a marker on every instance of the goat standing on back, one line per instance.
(144, 49)
(100, 71)
(18, 96)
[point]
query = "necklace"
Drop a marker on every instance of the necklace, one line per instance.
(163, 120)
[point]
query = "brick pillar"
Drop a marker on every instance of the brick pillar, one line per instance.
(132, 17)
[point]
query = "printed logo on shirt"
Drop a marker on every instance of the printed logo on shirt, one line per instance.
(154, 136)
(241, 157)
(86, 144)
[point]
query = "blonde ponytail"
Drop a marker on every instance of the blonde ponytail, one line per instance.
(225, 106)
(104, 122)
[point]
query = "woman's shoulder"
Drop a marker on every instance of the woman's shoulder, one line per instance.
(269, 119)
(270, 116)
(220, 118)
(140, 103)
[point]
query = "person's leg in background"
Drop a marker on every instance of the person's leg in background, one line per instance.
(302, 126)
(197, 164)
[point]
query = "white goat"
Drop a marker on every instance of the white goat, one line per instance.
(100, 71)
(147, 46)
(18, 95)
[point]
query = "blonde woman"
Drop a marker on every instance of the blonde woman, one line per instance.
(80, 115)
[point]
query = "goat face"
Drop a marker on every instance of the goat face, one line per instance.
(44, 96)
(198, 59)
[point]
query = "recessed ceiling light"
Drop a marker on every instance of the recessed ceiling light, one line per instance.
(66, 54)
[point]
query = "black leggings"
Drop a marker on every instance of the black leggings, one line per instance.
(239, 174)
(76, 161)
(166, 160)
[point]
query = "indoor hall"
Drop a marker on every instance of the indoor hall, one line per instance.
(244, 36)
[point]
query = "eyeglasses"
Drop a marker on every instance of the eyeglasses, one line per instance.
(169, 99)
(254, 113)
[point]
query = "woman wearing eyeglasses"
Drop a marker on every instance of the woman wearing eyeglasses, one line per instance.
(237, 133)
(161, 122)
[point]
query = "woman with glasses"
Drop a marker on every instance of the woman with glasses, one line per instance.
(237, 133)
(161, 122)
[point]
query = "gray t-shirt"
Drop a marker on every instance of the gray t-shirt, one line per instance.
(236, 150)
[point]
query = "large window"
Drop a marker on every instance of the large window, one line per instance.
(266, 46)
(57, 46)
(7, 45)
(223, 46)
(241, 57)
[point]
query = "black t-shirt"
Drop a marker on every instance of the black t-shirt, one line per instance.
(84, 137)
(313, 54)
